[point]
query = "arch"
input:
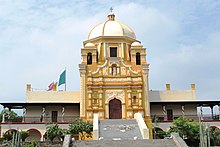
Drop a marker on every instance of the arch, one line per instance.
(89, 58)
(138, 58)
(215, 127)
(158, 128)
(158, 133)
(34, 134)
(111, 98)
(11, 131)
(115, 109)
(110, 95)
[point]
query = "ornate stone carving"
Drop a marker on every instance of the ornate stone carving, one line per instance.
(115, 94)
(123, 71)
(139, 79)
(105, 71)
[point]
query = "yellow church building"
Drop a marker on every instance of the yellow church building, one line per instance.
(114, 76)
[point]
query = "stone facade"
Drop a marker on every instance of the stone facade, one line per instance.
(113, 67)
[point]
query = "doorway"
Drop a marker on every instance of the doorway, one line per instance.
(54, 116)
(115, 109)
(169, 114)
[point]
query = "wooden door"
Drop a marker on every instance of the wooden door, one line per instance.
(54, 116)
(115, 111)
(169, 114)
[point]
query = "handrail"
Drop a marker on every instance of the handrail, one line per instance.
(142, 126)
(95, 127)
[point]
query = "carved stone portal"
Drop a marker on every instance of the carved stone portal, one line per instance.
(111, 94)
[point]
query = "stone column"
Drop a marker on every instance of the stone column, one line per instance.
(123, 111)
(129, 97)
(43, 114)
(3, 115)
(63, 113)
(24, 114)
(201, 113)
(183, 110)
(164, 113)
(212, 112)
(106, 111)
(122, 49)
(82, 69)
(219, 111)
(90, 98)
(140, 97)
(100, 98)
(146, 89)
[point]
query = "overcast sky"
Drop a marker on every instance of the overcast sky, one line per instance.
(38, 39)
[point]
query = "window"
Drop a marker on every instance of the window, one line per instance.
(138, 59)
(134, 99)
(113, 51)
(97, 57)
(89, 58)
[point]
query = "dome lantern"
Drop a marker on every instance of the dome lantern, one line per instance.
(111, 16)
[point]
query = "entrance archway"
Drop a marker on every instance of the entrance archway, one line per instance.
(34, 134)
(115, 110)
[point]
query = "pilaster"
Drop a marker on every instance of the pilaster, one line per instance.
(82, 69)
(146, 89)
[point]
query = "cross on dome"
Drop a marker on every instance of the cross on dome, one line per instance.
(111, 9)
(111, 15)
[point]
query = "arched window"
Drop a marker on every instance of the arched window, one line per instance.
(134, 99)
(89, 58)
(97, 56)
(138, 59)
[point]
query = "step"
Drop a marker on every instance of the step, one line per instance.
(126, 143)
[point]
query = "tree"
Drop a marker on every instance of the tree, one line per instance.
(81, 128)
(187, 128)
(24, 135)
(10, 116)
(53, 131)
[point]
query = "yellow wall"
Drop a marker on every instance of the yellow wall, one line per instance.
(172, 95)
(52, 96)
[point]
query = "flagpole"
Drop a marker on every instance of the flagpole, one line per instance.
(65, 78)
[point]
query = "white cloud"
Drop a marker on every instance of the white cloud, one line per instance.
(39, 39)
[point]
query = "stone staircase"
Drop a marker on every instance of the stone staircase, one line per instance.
(119, 129)
(125, 143)
(119, 133)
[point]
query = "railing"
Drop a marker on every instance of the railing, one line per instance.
(206, 117)
(36, 119)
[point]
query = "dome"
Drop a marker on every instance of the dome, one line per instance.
(136, 44)
(111, 27)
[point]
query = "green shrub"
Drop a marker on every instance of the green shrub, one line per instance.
(54, 131)
(24, 135)
(81, 128)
